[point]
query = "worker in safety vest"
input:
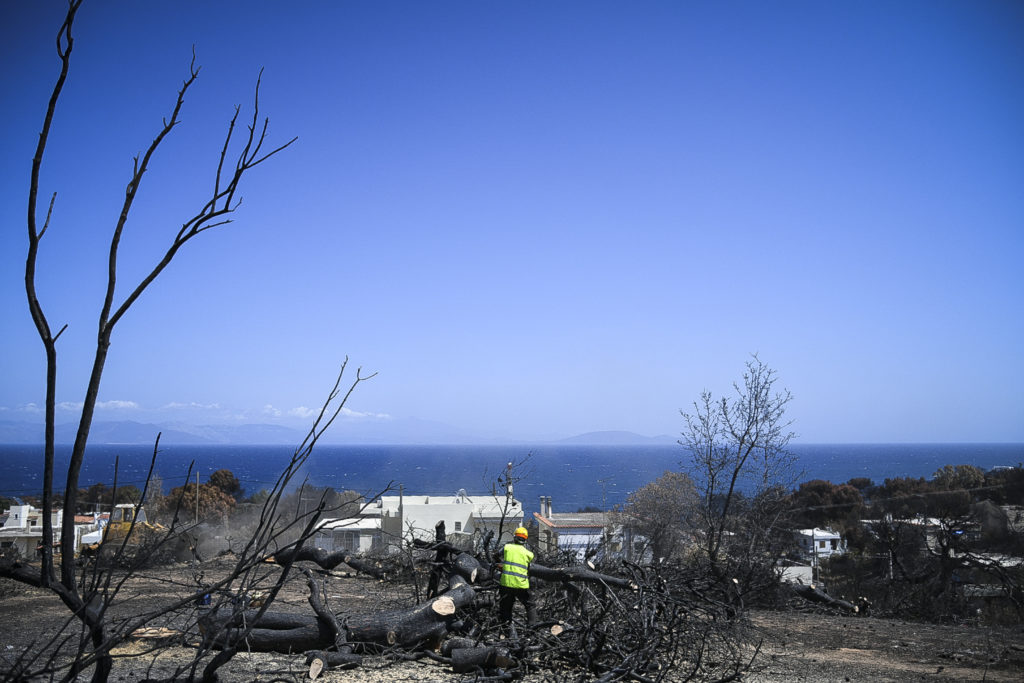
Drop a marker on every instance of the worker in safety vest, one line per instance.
(515, 580)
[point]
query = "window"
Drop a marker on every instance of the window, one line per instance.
(346, 540)
(821, 544)
(458, 526)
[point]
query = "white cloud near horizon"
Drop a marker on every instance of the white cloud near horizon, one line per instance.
(116, 405)
(306, 413)
(100, 405)
(175, 405)
(356, 414)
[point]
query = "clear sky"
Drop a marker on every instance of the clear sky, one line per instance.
(536, 219)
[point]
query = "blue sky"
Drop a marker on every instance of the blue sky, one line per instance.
(536, 219)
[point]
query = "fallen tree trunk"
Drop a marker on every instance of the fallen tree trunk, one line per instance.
(331, 660)
(469, 568)
(326, 560)
(470, 659)
(368, 567)
(282, 632)
(815, 595)
(272, 632)
(578, 574)
(412, 626)
(465, 565)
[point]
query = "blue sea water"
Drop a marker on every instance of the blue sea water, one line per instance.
(574, 476)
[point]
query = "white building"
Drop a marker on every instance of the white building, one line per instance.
(819, 544)
(578, 532)
(355, 534)
(394, 520)
(23, 529)
(415, 516)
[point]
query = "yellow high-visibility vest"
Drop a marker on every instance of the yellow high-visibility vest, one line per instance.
(516, 566)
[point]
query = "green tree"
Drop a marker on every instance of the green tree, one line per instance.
(99, 495)
(901, 496)
(958, 477)
(226, 481)
(862, 484)
(1006, 486)
(259, 497)
(212, 502)
(819, 502)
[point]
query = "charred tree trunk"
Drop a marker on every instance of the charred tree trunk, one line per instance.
(470, 659)
(439, 557)
(318, 660)
(271, 632)
(281, 632)
(815, 595)
(567, 574)
(465, 565)
(411, 627)
(328, 561)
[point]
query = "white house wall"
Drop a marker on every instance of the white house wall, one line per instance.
(579, 541)
(416, 516)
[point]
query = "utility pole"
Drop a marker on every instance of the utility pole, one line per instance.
(197, 498)
(814, 560)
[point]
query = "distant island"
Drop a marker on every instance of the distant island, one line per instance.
(408, 431)
(617, 438)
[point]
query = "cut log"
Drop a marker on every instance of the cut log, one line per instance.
(463, 564)
(412, 626)
(327, 560)
(567, 574)
(283, 632)
(469, 568)
(456, 643)
(320, 556)
(332, 660)
(815, 595)
(273, 632)
(470, 659)
(368, 567)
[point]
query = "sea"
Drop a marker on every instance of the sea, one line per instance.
(575, 476)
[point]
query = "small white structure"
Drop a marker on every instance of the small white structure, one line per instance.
(575, 531)
(23, 529)
(355, 534)
(406, 517)
(819, 544)
(794, 572)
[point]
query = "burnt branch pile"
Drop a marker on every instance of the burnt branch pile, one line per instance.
(609, 623)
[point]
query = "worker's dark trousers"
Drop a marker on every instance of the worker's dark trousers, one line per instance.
(507, 599)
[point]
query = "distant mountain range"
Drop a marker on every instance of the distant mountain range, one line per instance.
(392, 431)
(616, 438)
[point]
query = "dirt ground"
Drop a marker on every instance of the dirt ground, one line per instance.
(824, 646)
(804, 645)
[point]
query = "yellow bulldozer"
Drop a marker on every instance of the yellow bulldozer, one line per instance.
(126, 522)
